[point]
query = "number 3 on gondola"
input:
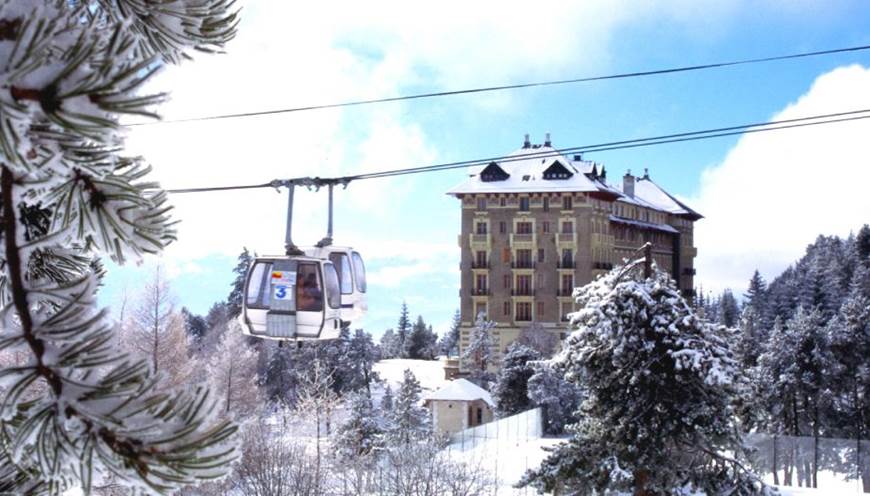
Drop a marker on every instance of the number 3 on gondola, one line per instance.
(282, 292)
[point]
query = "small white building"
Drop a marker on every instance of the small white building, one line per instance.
(459, 405)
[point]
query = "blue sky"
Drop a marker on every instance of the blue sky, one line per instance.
(291, 55)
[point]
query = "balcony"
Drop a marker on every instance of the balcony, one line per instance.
(479, 291)
(479, 241)
(523, 292)
(689, 271)
(480, 266)
(566, 264)
(523, 265)
(602, 266)
(522, 240)
(691, 251)
(566, 237)
(565, 292)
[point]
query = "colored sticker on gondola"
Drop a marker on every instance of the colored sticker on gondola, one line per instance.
(285, 277)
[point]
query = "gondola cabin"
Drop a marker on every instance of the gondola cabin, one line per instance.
(292, 298)
(351, 275)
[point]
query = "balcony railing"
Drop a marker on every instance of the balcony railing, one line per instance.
(522, 238)
(523, 265)
(479, 291)
(478, 265)
(565, 292)
(523, 318)
(523, 292)
(566, 264)
(480, 238)
(689, 271)
(566, 237)
(602, 265)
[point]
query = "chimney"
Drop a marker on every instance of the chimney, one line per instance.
(578, 157)
(646, 173)
(628, 184)
(547, 140)
(603, 174)
(527, 143)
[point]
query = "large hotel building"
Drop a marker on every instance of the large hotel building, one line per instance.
(538, 223)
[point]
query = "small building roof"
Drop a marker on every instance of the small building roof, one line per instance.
(461, 390)
(649, 194)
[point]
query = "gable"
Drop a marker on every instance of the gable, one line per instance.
(493, 172)
(557, 171)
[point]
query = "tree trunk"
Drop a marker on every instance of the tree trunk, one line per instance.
(641, 477)
(775, 463)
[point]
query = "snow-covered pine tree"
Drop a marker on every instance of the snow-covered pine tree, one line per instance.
(409, 421)
(361, 357)
(750, 337)
(540, 339)
(477, 357)
(70, 70)
(403, 330)
(237, 289)
(419, 341)
(232, 373)
(511, 390)
(194, 324)
(729, 312)
(658, 416)
(449, 343)
(558, 398)
(386, 405)
(360, 435)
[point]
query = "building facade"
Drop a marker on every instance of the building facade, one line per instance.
(538, 224)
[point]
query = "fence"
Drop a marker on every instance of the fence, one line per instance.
(834, 466)
(506, 448)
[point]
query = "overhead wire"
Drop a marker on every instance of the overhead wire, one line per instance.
(782, 124)
(484, 89)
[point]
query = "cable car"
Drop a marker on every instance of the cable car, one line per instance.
(351, 275)
(292, 298)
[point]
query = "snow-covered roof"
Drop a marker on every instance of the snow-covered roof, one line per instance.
(647, 225)
(461, 390)
(651, 195)
(525, 168)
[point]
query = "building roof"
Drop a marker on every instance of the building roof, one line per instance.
(461, 390)
(523, 171)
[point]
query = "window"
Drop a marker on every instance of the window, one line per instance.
(524, 286)
(524, 311)
(524, 259)
(545, 226)
(480, 283)
(567, 259)
(502, 201)
(333, 290)
(481, 228)
(524, 204)
(480, 260)
(481, 203)
(502, 227)
(567, 286)
(539, 309)
(567, 227)
(309, 292)
(506, 281)
(479, 416)
(359, 272)
(507, 308)
(524, 228)
(258, 286)
(546, 204)
(566, 203)
(480, 308)
(539, 280)
(540, 254)
(342, 266)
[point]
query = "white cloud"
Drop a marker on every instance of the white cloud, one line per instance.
(775, 192)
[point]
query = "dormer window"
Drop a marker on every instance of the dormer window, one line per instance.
(493, 172)
(557, 171)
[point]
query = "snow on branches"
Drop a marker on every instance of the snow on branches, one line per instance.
(70, 69)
